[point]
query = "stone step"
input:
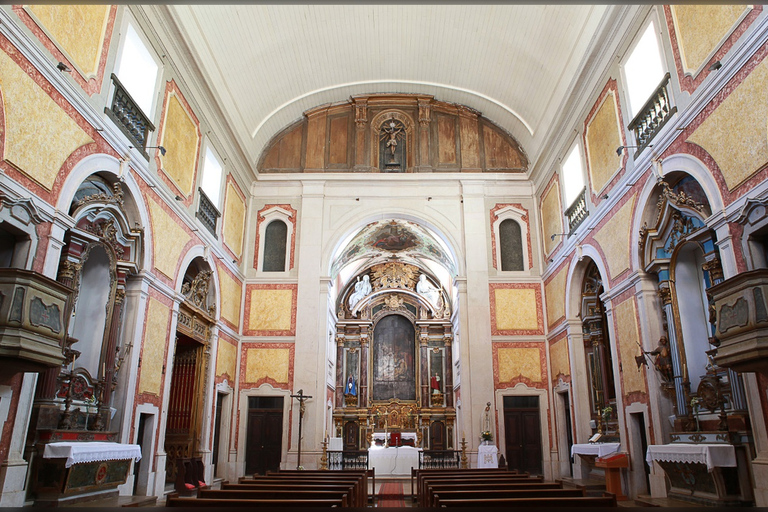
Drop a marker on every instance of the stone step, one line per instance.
(643, 500)
(592, 487)
(120, 501)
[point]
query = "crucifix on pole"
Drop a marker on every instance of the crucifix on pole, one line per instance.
(301, 397)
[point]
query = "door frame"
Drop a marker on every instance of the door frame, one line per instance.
(561, 391)
(225, 433)
(521, 389)
(242, 431)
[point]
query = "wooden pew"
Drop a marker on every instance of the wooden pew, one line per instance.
(274, 494)
(415, 473)
(370, 474)
(487, 494)
(173, 500)
(433, 487)
(578, 501)
(428, 480)
(358, 492)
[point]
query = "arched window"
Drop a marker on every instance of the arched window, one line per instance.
(275, 237)
(511, 246)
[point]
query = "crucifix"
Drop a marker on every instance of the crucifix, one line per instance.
(301, 397)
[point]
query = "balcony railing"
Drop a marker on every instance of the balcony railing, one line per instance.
(439, 459)
(128, 116)
(348, 460)
(653, 116)
(577, 212)
(207, 213)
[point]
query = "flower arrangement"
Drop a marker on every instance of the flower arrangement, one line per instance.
(607, 412)
(486, 435)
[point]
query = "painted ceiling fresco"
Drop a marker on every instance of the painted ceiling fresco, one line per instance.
(398, 238)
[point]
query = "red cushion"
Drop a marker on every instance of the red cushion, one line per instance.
(201, 483)
(189, 486)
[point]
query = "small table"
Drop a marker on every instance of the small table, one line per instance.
(487, 456)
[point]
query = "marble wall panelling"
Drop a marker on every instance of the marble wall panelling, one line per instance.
(231, 296)
(179, 133)
(614, 237)
(270, 363)
(519, 362)
(39, 134)
(735, 133)
(234, 218)
(701, 28)
(559, 359)
(602, 137)
(628, 336)
(516, 309)
(554, 295)
(226, 358)
(153, 349)
(169, 238)
(270, 310)
(551, 216)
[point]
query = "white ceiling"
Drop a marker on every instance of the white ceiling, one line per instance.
(267, 64)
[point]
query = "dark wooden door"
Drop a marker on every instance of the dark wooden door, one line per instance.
(264, 441)
(437, 435)
(351, 436)
(523, 434)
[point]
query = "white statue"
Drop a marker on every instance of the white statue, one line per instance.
(429, 292)
(362, 289)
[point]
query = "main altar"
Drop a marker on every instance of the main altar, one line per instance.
(393, 362)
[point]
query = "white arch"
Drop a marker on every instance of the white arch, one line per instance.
(575, 277)
(421, 218)
(195, 252)
(105, 163)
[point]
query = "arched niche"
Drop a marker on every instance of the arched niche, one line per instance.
(383, 135)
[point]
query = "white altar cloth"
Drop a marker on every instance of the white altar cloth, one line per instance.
(76, 452)
(335, 444)
(598, 449)
(487, 456)
(713, 455)
(393, 461)
(384, 436)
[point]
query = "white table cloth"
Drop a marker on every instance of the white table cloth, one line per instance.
(597, 449)
(76, 453)
(335, 444)
(713, 455)
(384, 436)
(487, 456)
(393, 461)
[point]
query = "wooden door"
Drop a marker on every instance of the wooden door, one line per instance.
(437, 435)
(523, 434)
(264, 440)
(351, 436)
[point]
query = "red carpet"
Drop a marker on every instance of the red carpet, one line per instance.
(391, 495)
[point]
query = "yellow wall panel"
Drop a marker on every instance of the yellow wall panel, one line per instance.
(168, 238)
(270, 310)
(226, 359)
(273, 363)
(234, 220)
(231, 296)
(701, 28)
(516, 362)
(613, 238)
(736, 133)
(554, 294)
(560, 361)
(78, 30)
(181, 140)
(627, 334)
(551, 217)
(603, 137)
(39, 135)
(516, 309)
(153, 355)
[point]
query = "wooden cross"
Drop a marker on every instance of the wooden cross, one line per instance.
(301, 397)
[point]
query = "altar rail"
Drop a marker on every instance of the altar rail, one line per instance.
(439, 459)
(347, 459)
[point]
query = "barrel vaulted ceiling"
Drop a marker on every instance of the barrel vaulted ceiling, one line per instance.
(266, 64)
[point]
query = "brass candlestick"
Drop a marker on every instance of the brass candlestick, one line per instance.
(324, 457)
(464, 460)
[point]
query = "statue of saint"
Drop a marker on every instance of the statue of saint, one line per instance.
(435, 384)
(362, 290)
(425, 288)
(351, 388)
(663, 362)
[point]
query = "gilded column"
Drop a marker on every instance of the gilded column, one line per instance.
(425, 117)
(361, 125)
(339, 370)
(362, 388)
(448, 387)
(424, 358)
(677, 364)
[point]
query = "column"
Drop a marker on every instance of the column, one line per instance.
(425, 117)
(362, 386)
(448, 385)
(680, 394)
(361, 128)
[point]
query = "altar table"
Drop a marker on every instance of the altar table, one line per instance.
(79, 452)
(595, 449)
(393, 461)
(487, 456)
(713, 455)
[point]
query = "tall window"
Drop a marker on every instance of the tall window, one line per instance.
(511, 246)
(275, 238)
(573, 175)
(137, 70)
(643, 70)
(211, 182)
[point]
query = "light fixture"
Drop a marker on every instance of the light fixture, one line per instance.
(622, 148)
(605, 196)
(161, 148)
(63, 67)
(178, 198)
(557, 234)
(715, 65)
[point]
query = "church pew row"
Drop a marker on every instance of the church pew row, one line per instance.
(578, 501)
(427, 480)
(356, 483)
(416, 473)
(173, 500)
(434, 487)
(369, 474)
(487, 494)
(274, 494)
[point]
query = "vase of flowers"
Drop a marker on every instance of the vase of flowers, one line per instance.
(486, 437)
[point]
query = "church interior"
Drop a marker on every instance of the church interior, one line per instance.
(204, 269)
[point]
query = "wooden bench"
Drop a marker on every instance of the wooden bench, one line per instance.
(416, 473)
(487, 480)
(358, 492)
(174, 501)
(274, 494)
(370, 474)
(579, 501)
(486, 494)
(432, 488)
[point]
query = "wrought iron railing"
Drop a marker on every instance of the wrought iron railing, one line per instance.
(577, 212)
(653, 116)
(439, 459)
(128, 116)
(347, 460)
(207, 213)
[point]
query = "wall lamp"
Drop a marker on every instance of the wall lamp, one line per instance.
(161, 148)
(558, 234)
(716, 65)
(622, 148)
(63, 67)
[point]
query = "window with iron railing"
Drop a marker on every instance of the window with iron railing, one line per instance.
(577, 212)
(653, 116)
(207, 213)
(127, 115)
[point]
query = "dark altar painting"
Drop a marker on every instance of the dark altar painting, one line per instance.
(394, 374)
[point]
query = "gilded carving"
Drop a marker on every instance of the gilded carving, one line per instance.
(361, 113)
(394, 302)
(394, 275)
(196, 291)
